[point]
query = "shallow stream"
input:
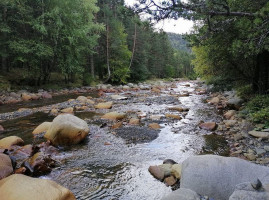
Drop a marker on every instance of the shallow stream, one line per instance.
(106, 166)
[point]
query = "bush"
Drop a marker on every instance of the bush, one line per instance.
(220, 83)
(245, 92)
(258, 109)
(88, 79)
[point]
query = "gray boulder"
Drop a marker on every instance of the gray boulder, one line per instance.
(217, 176)
(182, 194)
(245, 191)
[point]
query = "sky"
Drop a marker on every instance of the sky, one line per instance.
(179, 26)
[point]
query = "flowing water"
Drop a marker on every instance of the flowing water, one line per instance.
(107, 167)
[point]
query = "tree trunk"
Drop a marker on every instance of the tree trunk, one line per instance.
(133, 48)
(260, 80)
(3, 57)
(107, 53)
(92, 65)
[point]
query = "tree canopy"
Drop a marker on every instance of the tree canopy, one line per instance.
(230, 39)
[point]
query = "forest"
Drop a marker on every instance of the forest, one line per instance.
(53, 44)
(80, 42)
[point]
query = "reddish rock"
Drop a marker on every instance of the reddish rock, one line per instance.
(156, 172)
(1, 128)
(25, 97)
(210, 126)
(170, 181)
(46, 95)
(21, 170)
(117, 125)
(5, 166)
(154, 126)
(173, 116)
(134, 121)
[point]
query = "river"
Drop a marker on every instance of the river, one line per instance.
(107, 166)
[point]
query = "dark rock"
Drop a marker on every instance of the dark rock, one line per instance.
(169, 161)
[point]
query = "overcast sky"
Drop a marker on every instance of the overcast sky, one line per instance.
(175, 26)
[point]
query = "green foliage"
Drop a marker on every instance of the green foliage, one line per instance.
(45, 36)
(178, 42)
(88, 79)
(258, 109)
(244, 91)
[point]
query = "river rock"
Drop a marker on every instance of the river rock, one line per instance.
(42, 128)
(134, 121)
(117, 125)
(1, 128)
(179, 109)
(8, 142)
(173, 116)
(217, 176)
(106, 105)
(89, 101)
(41, 164)
(170, 180)
(68, 110)
(22, 187)
(245, 191)
(259, 134)
(26, 97)
(214, 100)
(67, 129)
(156, 172)
(118, 97)
(182, 194)
(154, 126)
(23, 152)
(82, 99)
(210, 126)
(54, 111)
(155, 117)
(5, 166)
(229, 114)
(46, 95)
(113, 116)
(235, 102)
(176, 170)
(229, 123)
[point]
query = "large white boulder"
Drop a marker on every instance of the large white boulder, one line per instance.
(217, 176)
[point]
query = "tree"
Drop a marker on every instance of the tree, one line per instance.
(244, 23)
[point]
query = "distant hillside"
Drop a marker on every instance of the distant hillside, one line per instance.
(178, 42)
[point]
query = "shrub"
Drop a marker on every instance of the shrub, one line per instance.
(258, 109)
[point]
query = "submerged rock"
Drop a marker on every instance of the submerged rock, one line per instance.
(154, 126)
(106, 105)
(173, 116)
(113, 116)
(67, 129)
(22, 187)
